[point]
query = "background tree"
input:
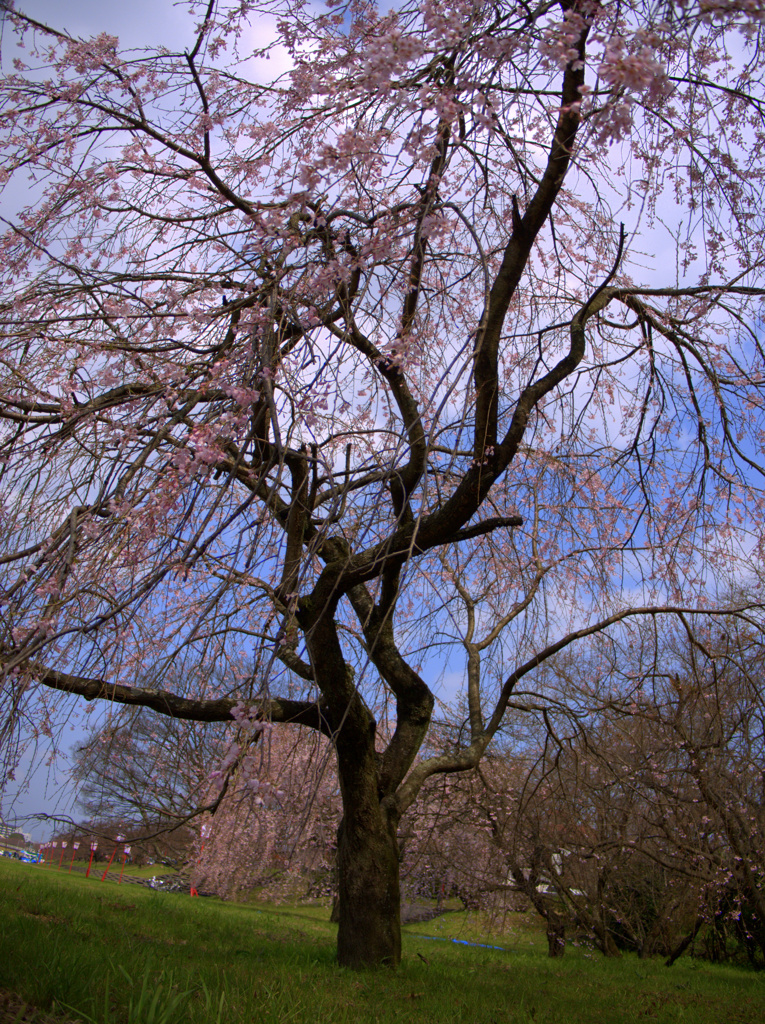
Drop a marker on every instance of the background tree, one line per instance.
(638, 803)
(148, 775)
(287, 365)
(701, 704)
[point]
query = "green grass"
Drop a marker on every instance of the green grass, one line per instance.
(128, 955)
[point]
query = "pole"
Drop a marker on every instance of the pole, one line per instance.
(75, 848)
(63, 847)
(125, 853)
(103, 876)
(205, 831)
(118, 840)
(93, 848)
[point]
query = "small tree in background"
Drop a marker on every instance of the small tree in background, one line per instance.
(148, 775)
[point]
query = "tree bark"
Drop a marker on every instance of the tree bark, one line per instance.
(556, 934)
(681, 947)
(369, 926)
(369, 933)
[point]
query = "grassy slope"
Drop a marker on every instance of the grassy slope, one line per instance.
(97, 947)
(98, 867)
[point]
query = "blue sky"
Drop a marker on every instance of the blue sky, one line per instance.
(43, 787)
(141, 24)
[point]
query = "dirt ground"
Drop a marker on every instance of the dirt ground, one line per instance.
(15, 1011)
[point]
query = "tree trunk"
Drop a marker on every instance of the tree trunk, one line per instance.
(605, 941)
(556, 934)
(369, 933)
(334, 916)
(685, 943)
(369, 901)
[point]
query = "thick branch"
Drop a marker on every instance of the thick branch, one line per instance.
(414, 700)
(516, 255)
(293, 712)
(488, 526)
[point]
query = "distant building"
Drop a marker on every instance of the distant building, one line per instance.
(13, 840)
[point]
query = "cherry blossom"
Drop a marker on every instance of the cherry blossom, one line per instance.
(422, 363)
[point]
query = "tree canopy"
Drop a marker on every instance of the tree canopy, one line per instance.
(405, 370)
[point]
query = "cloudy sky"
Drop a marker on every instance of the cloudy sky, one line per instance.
(138, 24)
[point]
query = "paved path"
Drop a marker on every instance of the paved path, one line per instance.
(97, 871)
